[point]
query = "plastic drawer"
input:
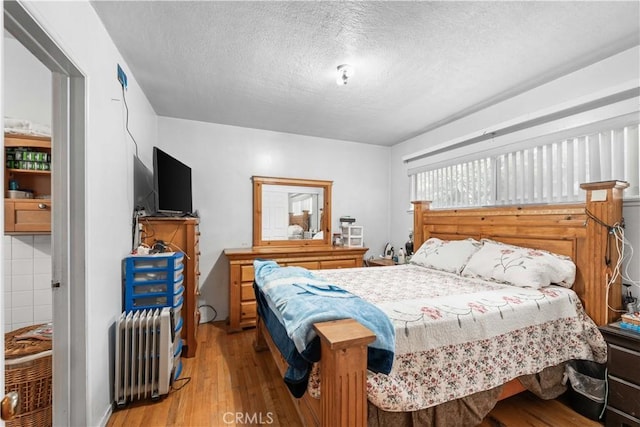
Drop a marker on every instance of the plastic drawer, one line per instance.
(156, 287)
(155, 274)
(162, 260)
(155, 301)
(153, 281)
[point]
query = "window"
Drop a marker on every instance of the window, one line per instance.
(545, 173)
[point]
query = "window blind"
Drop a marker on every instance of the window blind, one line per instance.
(547, 173)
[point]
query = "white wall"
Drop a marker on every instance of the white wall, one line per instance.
(620, 69)
(27, 84)
(223, 159)
(78, 31)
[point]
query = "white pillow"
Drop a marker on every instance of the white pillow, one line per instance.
(445, 255)
(295, 231)
(520, 266)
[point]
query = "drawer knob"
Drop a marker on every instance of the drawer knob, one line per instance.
(42, 206)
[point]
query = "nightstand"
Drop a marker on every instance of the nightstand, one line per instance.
(379, 262)
(623, 376)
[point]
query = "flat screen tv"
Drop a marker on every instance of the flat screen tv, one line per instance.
(143, 192)
(172, 184)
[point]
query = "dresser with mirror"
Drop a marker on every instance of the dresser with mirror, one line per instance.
(292, 226)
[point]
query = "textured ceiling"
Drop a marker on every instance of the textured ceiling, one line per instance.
(272, 65)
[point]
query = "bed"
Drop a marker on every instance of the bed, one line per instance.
(574, 231)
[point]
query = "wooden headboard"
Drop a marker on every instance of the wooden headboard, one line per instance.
(563, 229)
(302, 220)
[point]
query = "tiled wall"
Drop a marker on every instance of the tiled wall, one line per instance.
(27, 290)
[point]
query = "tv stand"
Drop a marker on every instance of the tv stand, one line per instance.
(173, 215)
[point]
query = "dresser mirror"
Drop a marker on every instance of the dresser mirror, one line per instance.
(291, 212)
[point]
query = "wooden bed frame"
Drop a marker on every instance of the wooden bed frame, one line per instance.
(565, 229)
(302, 220)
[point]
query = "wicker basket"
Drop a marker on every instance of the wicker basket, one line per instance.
(28, 371)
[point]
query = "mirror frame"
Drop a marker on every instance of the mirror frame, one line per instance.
(259, 181)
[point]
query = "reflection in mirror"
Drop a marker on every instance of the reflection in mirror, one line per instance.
(290, 211)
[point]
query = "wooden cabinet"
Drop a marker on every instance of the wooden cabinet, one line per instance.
(28, 163)
(623, 376)
(181, 235)
(242, 303)
(28, 216)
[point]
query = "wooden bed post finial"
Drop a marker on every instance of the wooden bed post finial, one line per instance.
(419, 206)
(344, 372)
(603, 207)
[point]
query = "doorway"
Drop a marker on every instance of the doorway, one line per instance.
(68, 215)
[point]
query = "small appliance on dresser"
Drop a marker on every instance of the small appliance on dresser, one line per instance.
(623, 376)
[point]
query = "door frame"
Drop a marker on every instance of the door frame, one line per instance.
(70, 405)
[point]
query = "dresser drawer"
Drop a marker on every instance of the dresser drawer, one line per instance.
(624, 363)
(338, 263)
(624, 396)
(247, 292)
(309, 265)
(246, 273)
(248, 310)
(615, 418)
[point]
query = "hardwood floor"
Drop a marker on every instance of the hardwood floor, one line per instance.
(232, 385)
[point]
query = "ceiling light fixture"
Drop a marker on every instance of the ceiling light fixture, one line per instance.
(345, 71)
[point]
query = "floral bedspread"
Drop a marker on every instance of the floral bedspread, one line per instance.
(456, 336)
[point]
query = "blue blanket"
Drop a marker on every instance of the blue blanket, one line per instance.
(291, 299)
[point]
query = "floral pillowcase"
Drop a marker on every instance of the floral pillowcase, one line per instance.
(445, 255)
(520, 266)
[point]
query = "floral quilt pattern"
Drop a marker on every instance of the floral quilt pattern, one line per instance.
(456, 336)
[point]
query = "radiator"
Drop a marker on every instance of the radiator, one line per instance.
(144, 355)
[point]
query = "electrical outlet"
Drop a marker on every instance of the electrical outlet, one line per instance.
(122, 77)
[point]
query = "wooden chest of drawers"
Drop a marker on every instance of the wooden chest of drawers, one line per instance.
(242, 303)
(623, 376)
(181, 235)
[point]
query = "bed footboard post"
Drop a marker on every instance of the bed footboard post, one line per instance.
(259, 343)
(343, 373)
